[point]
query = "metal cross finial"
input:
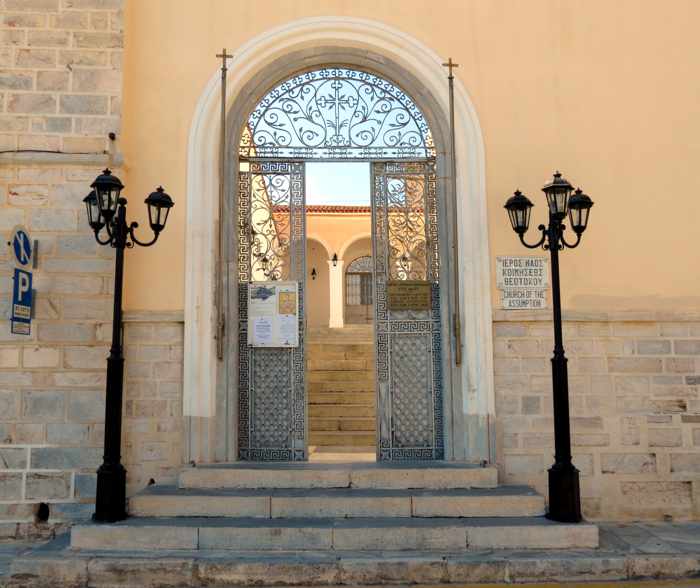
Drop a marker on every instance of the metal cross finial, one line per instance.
(224, 56)
(451, 65)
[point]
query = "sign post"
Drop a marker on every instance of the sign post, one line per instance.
(22, 293)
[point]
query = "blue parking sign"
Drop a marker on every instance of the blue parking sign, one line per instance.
(22, 302)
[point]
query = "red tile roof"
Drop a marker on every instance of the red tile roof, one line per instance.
(329, 209)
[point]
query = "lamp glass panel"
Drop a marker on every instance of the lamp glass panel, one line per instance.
(583, 218)
(512, 215)
(520, 218)
(91, 205)
(558, 201)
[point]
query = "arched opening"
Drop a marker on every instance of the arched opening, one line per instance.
(328, 118)
(213, 410)
(358, 299)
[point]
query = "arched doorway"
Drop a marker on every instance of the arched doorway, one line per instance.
(358, 287)
(337, 113)
(210, 386)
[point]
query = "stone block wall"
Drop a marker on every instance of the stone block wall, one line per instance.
(60, 95)
(60, 75)
(153, 423)
(635, 408)
(52, 382)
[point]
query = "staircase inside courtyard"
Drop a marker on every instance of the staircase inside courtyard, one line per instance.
(341, 391)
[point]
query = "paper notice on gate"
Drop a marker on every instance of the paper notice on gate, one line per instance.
(262, 331)
(273, 314)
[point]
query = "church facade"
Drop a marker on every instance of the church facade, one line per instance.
(407, 341)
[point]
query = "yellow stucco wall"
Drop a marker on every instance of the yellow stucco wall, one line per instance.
(605, 91)
(344, 234)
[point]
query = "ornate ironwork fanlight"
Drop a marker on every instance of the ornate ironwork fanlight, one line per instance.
(333, 113)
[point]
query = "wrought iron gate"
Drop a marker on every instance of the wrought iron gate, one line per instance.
(408, 342)
(271, 246)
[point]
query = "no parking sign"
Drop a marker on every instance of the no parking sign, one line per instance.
(21, 318)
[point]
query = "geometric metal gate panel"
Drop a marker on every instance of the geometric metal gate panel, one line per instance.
(408, 342)
(271, 246)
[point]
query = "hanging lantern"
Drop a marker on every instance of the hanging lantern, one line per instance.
(579, 209)
(519, 208)
(95, 219)
(159, 205)
(107, 189)
(558, 192)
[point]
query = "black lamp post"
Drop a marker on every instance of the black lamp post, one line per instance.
(106, 210)
(564, 491)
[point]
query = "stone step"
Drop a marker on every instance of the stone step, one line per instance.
(170, 501)
(347, 439)
(344, 410)
(348, 452)
(351, 338)
(335, 353)
(340, 376)
(343, 422)
(362, 334)
(348, 329)
(340, 356)
(454, 535)
(337, 347)
(353, 365)
(334, 398)
(329, 453)
(358, 338)
(340, 387)
(618, 562)
(433, 475)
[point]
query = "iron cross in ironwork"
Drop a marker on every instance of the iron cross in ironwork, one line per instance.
(224, 56)
(450, 65)
(337, 102)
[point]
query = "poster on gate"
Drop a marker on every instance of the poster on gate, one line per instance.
(273, 314)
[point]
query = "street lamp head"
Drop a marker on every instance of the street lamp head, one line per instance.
(107, 189)
(335, 260)
(95, 219)
(579, 209)
(159, 205)
(519, 207)
(558, 192)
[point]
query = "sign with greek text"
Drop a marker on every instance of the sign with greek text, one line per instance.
(408, 295)
(523, 282)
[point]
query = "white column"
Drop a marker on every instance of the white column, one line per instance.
(335, 284)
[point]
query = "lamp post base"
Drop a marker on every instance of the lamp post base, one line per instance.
(110, 505)
(564, 494)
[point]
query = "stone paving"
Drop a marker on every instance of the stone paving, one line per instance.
(628, 552)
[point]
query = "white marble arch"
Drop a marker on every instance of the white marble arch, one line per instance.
(470, 402)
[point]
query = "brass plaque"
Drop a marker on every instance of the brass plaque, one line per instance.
(408, 295)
